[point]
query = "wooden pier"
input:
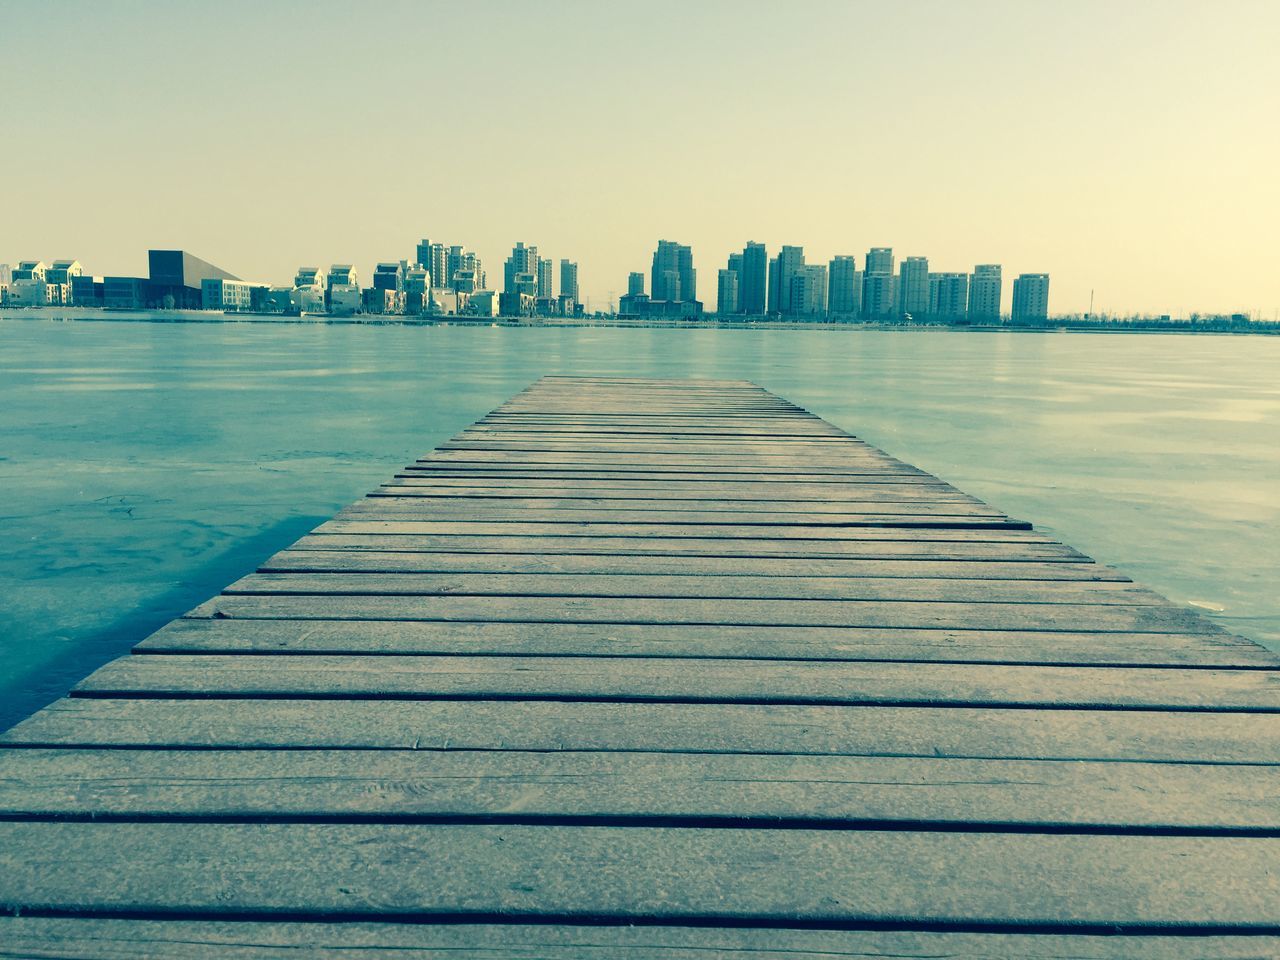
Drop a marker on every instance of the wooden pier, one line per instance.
(657, 669)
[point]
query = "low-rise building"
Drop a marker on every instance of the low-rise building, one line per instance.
(230, 296)
(124, 293)
(177, 279)
(644, 308)
(87, 291)
(343, 293)
(482, 303)
(383, 301)
(308, 293)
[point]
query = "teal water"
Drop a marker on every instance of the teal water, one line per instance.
(143, 466)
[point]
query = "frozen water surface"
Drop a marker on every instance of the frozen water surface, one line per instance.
(146, 465)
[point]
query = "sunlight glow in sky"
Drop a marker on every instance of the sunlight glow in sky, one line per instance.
(1125, 147)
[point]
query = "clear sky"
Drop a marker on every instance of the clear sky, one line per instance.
(1123, 146)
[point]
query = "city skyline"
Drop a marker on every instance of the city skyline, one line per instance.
(1044, 137)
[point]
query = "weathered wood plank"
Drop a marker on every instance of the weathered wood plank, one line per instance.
(381, 538)
(417, 870)
(708, 439)
(730, 463)
(684, 680)
(371, 561)
(831, 537)
(727, 586)
(818, 613)
(667, 491)
(837, 791)
(410, 499)
(963, 732)
(766, 643)
(575, 471)
(94, 939)
(504, 512)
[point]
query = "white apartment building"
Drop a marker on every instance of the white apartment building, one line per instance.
(912, 295)
(1031, 297)
(984, 292)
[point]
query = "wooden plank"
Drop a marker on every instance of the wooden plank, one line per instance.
(303, 559)
(387, 537)
(365, 522)
(400, 870)
(765, 643)
(727, 586)
(402, 499)
(739, 463)
(832, 479)
(684, 681)
(404, 509)
(829, 453)
(99, 939)
(540, 725)
(667, 491)
(817, 613)
(637, 787)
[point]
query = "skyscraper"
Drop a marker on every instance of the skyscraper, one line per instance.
(809, 291)
(672, 277)
(878, 283)
(880, 260)
(877, 294)
(948, 294)
(727, 292)
(688, 276)
(435, 258)
(844, 287)
(788, 263)
(569, 280)
(520, 272)
(752, 279)
(984, 292)
(912, 294)
(545, 288)
(1031, 297)
(635, 284)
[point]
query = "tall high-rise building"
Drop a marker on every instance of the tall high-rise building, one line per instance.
(672, 277)
(545, 288)
(878, 283)
(912, 294)
(635, 284)
(880, 260)
(844, 287)
(569, 280)
(789, 262)
(752, 279)
(727, 292)
(434, 258)
(984, 292)
(809, 291)
(732, 303)
(948, 294)
(521, 270)
(1031, 297)
(877, 294)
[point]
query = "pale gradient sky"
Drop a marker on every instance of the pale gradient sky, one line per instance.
(1129, 147)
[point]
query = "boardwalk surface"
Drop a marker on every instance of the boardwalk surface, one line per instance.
(657, 669)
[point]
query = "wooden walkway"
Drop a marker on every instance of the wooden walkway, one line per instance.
(657, 669)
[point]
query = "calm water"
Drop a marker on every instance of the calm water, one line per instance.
(144, 466)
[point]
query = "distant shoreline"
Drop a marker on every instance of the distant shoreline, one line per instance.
(96, 315)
